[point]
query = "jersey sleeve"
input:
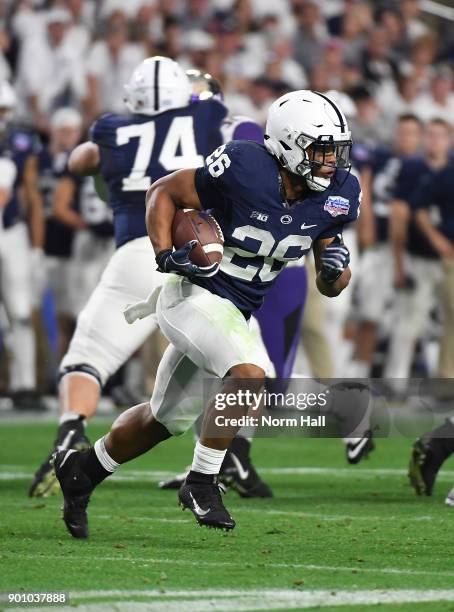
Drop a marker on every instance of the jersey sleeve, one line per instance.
(101, 131)
(223, 178)
(354, 207)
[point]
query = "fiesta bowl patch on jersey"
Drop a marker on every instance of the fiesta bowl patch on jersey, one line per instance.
(336, 206)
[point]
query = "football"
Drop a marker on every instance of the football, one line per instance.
(189, 224)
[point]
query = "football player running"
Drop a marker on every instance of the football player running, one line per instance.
(299, 179)
(163, 133)
(279, 318)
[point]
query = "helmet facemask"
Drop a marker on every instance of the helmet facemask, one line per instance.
(319, 152)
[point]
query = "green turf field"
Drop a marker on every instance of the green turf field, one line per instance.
(334, 538)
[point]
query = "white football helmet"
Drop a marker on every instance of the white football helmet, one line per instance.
(157, 85)
(302, 118)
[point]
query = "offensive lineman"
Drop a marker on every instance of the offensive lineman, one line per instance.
(300, 182)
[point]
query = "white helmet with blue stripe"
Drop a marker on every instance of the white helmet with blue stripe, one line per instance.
(302, 118)
(158, 84)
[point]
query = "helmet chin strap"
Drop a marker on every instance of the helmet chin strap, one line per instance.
(317, 183)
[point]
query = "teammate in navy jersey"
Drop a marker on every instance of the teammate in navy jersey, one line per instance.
(380, 170)
(273, 203)
(163, 132)
(417, 265)
(433, 190)
(17, 258)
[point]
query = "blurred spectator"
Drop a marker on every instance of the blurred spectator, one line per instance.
(368, 126)
(439, 101)
(197, 45)
(378, 66)
(281, 66)
(110, 63)
(311, 34)
(411, 14)
(60, 78)
(422, 56)
(197, 14)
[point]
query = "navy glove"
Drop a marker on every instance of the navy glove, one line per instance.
(335, 258)
(178, 262)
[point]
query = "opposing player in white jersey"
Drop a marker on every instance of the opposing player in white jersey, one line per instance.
(164, 132)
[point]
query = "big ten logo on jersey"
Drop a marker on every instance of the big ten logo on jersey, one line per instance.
(178, 150)
(93, 210)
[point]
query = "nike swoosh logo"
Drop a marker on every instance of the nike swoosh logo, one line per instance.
(354, 452)
(197, 509)
(64, 445)
(304, 226)
(242, 473)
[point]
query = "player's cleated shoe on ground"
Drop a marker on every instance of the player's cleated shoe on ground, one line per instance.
(425, 461)
(428, 455)
(356, 451)
(175, 482)
(238, 472)
(76, 488)
(70, 435)
(201, 494)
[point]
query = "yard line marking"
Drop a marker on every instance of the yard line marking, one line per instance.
(246, 600)
(307, 566)
(316, 515)
(156, 475)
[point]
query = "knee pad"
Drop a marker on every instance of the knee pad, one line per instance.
(80, 368)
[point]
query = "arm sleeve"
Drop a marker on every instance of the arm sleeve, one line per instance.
(100, 131)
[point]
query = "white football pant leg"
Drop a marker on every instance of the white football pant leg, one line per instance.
(178, 396)
(16, 292)
(103, 339)
(209, 329)
(412, 309)
(91, 254)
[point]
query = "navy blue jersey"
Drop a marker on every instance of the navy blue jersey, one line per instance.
(242, 186)
(59, 237)
(410, 185)
(17, 146)
(385, 167)
(137, 150)
(436, 188)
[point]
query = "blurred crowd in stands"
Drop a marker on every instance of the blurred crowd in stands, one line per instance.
(391, 64)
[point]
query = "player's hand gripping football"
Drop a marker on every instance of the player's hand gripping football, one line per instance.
(335, 258)
(178, 262)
